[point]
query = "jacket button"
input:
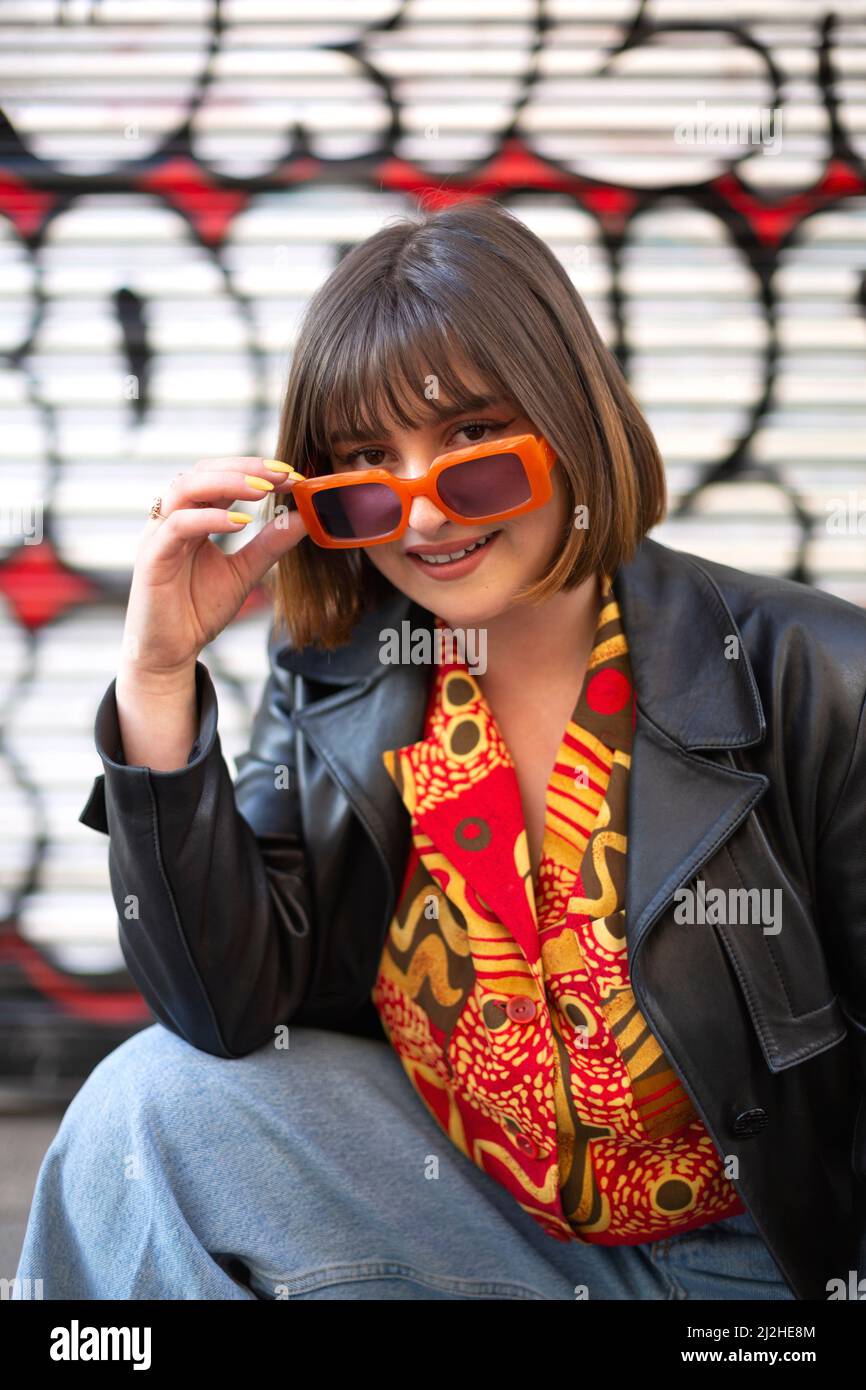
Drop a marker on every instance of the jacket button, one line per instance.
(750, 1121)
(520, 1009)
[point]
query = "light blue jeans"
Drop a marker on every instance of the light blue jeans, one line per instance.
(314, 1172)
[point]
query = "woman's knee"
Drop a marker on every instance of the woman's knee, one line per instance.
(149, 1062)
(157, 1072)
(153, 1071)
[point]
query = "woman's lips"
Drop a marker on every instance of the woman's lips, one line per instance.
(455, 569)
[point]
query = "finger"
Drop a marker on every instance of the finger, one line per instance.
(194, 524)
(261, 551)
(215, 488)
(273, 469)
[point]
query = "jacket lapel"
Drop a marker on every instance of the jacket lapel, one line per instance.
(695, 691)
(696, 700)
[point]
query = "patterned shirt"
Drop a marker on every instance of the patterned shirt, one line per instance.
(509, 1002)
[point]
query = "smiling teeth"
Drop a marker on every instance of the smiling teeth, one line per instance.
(457, 554)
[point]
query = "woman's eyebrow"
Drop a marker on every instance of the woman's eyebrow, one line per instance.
(440, 414)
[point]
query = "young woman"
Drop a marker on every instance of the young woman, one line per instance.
(526, 956)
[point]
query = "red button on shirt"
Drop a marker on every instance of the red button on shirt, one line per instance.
(520, 1009)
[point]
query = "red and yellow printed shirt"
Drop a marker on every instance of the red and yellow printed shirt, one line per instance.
(509, 1002)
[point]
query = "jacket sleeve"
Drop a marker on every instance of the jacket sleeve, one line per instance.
(841, 884)
(215, 912)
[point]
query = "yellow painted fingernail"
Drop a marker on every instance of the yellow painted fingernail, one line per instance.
(276, 467)
(238, 516)
(258, 482)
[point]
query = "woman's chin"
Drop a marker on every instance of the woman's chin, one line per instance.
(470, 602)
(468, 610)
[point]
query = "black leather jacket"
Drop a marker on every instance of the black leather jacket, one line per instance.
(262, 903)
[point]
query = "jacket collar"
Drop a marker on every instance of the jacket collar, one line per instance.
(696, 690)
(678, 627)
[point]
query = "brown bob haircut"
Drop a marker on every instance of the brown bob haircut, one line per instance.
(469, 283)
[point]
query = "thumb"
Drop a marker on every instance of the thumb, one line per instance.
(281, 534)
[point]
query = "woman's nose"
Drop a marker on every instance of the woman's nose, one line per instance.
(424, 515)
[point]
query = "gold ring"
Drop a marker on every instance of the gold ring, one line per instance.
(155, 509)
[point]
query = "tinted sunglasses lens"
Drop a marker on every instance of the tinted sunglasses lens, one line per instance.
(359, 512)
(485, 486)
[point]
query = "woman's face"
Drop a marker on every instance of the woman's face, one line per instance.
(473, 590)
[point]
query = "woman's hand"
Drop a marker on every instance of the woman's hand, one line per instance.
(185, 589)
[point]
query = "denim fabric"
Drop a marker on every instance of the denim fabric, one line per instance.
(315, 1172)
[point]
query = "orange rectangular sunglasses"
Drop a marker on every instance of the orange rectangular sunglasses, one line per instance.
(491, 481)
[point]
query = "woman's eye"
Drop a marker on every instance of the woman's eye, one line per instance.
(466, 429)
(484, 427)
(360, 458)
